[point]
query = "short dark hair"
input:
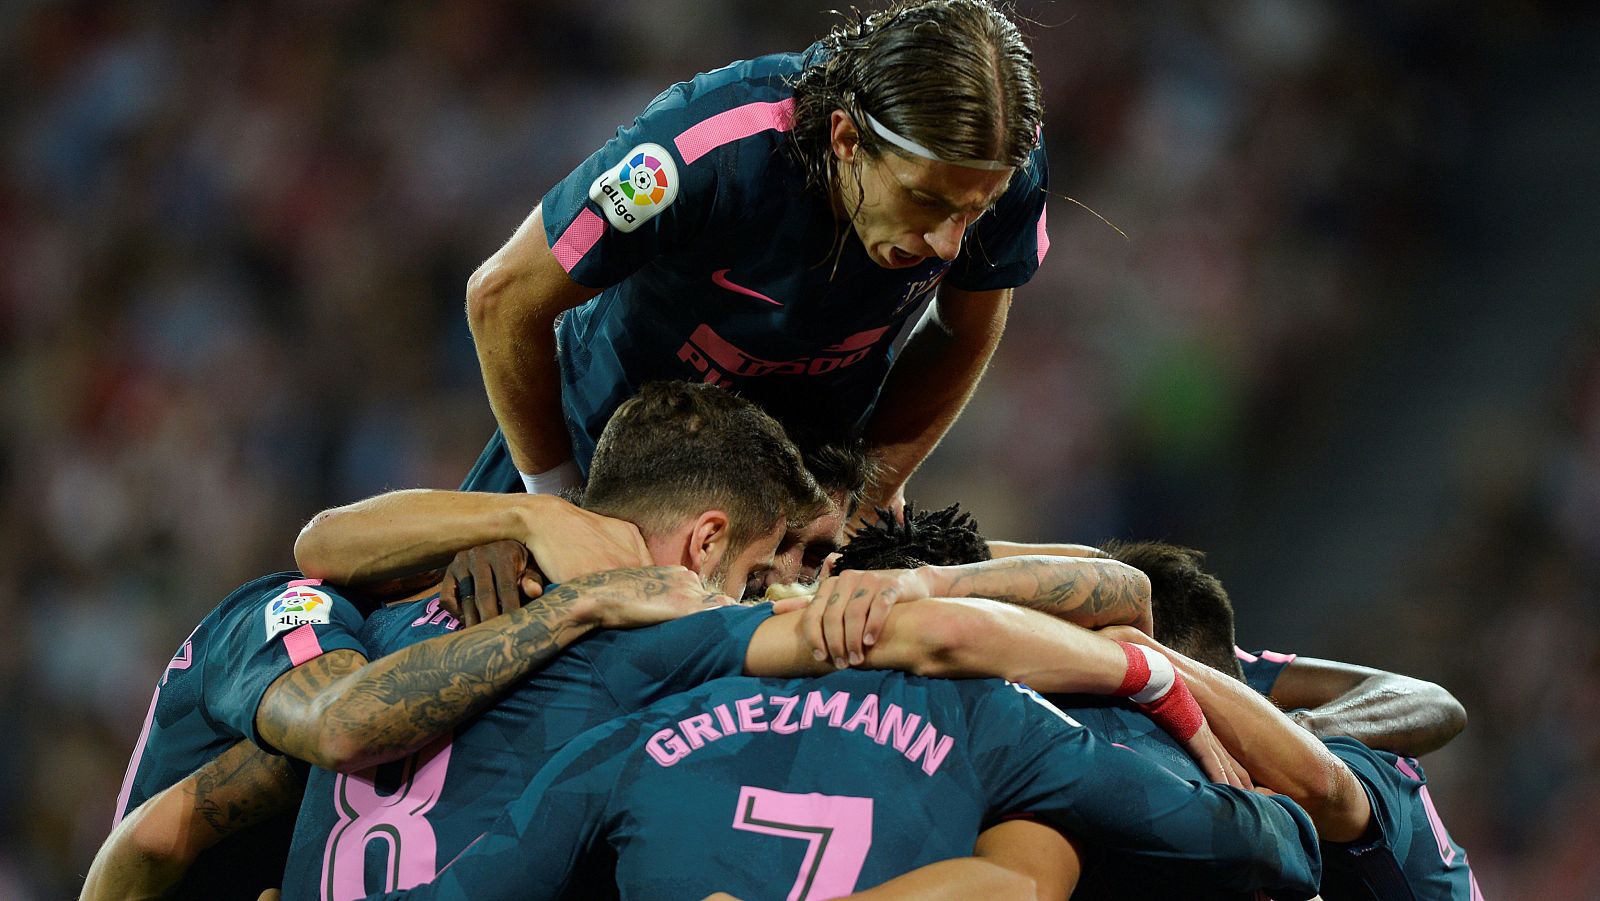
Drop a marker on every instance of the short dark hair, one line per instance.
(952, 75)
(842, 466)
(947, 537)
(677, 449)
(1192, 613)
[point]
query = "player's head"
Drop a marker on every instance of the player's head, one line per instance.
(711, 481)
(1192, 613)
(844, 470)
(945, 537)
(915, 122)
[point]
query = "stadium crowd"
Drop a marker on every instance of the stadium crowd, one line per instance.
(234, 239)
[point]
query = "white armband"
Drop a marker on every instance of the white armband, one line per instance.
(552, 481)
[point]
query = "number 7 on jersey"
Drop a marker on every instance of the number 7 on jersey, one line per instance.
(837, 830)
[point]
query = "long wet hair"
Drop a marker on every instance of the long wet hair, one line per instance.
(952, 75)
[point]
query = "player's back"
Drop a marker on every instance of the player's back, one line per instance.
(393, 826)
(816, 788)
(1407, 855)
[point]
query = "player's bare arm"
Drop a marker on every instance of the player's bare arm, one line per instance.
(343, 713)
(1279, 755)
(154, 845)
(1022, 548)
(848, 609)
(512, 303)
(1034, 850)
(931, 381)
(1379, 709)
(958, 638)
(405, 531)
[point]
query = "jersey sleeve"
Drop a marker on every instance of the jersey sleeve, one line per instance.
(1007, 246)
(1262, 669)
(642, 666)
(261, 640)
(1040, 763)
(637, 197)
(534, 848)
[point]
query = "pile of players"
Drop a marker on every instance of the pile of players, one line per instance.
(496, 694)
(633, 730)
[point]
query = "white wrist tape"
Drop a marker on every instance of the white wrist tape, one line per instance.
(552, 481)
(1162, 675)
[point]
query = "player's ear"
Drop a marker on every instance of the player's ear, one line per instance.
(843, 137)
(708, 541)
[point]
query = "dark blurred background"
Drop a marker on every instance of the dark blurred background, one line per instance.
(1334, 319)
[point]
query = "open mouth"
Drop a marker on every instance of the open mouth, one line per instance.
(898, 257)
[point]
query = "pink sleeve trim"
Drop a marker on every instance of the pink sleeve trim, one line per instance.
(1044, 236)
(299, 582)
(579, 238)
(302, 645)
(1244, 655)
(732, 125)
(1275, 657)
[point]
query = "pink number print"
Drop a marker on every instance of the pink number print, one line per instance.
(837, 830)
(399, 820)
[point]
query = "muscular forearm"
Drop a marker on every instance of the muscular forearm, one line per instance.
(1278, 754)
(402, 532)
(153, 847)
(512, 303)
(970, 638)
(1019, 548)
(931, 380)
(1091, 592)
(394, 705)
(1395, 713)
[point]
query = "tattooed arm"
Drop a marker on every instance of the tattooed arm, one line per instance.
(342, 715)
(847, 613)
(153, 847)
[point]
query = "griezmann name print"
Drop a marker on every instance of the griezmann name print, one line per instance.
(908, 733)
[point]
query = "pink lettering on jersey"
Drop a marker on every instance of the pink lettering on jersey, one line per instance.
(1042, 238)
(715, 357)
(302, 645)
(750, 714)
(833, 708)
(783, 725)
(865, 717)
(579, 238)
(698, 730)
(725, 719)
(732, 125)
(666, 748)
(437, 615)
(932, 748)
(899, 725)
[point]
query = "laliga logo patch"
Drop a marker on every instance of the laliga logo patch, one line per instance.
(297, 607)
(639, 187)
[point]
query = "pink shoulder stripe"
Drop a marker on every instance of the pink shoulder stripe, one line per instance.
(299, 582)
(1275, 657)
(579, 238)
(1043, 239)
(1244, 655)
(302, 645)
(731, 125)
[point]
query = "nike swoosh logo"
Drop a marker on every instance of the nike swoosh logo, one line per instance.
(720, 279)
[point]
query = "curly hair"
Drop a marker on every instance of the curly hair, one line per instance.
(941, 538)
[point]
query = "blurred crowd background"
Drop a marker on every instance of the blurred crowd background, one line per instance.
(1323, 299)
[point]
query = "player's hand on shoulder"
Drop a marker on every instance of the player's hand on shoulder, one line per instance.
(483, 582)
(568, 541)
(848, 612)
(630, 598)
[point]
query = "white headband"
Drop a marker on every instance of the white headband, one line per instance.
(912, 147)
